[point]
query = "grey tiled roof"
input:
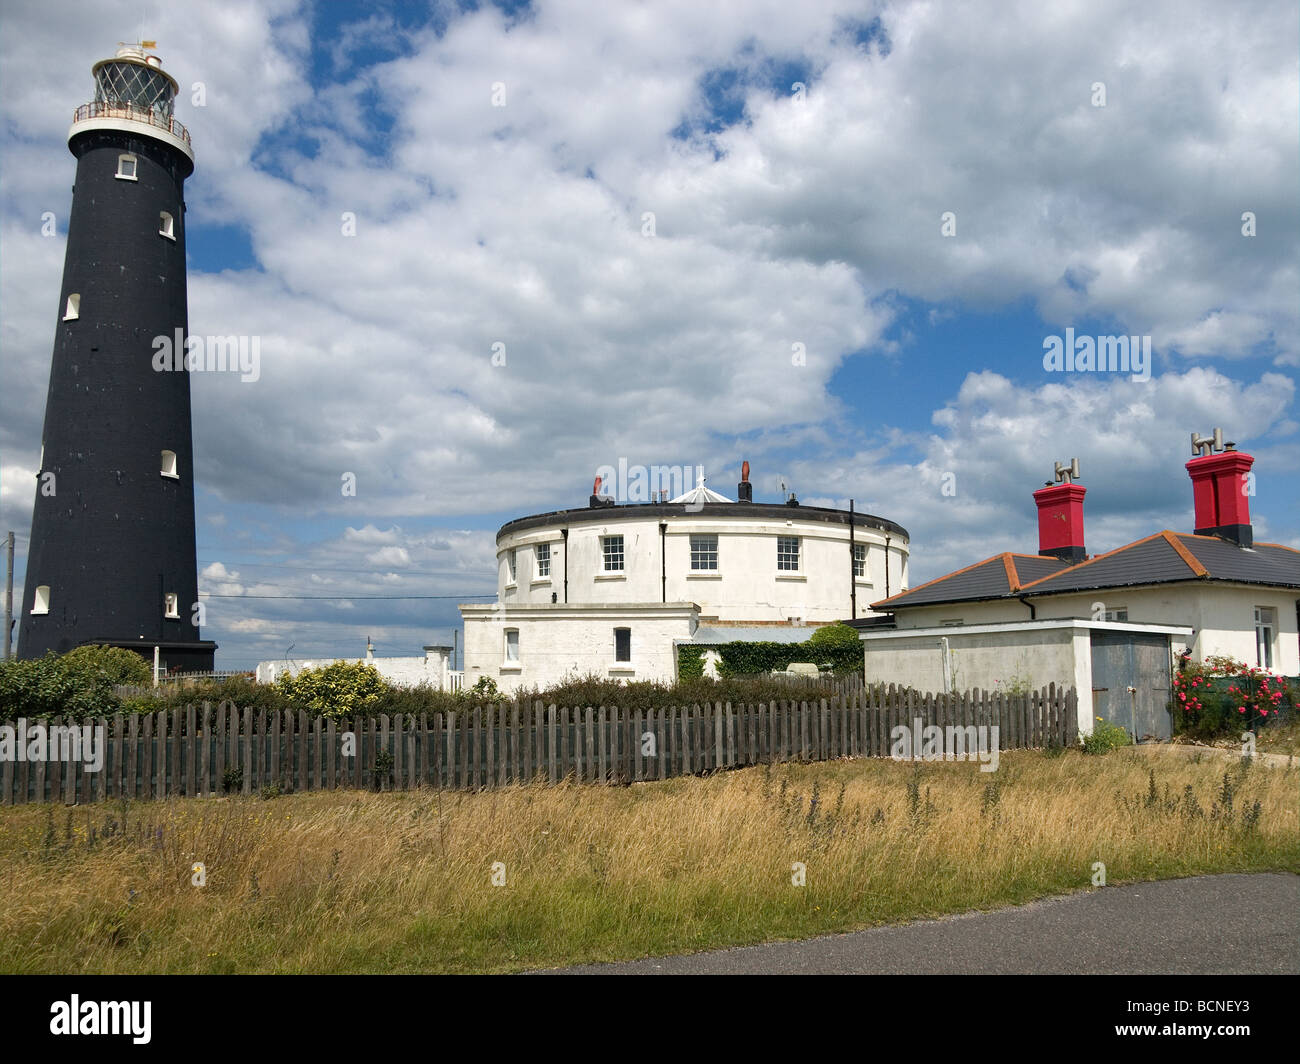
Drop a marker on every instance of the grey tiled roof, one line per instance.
(1156, 560)
(1167, 557)
(988, 579)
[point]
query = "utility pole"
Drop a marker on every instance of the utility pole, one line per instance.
(9, 595)
(853, 567)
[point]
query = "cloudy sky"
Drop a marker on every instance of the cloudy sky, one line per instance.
(829, 238)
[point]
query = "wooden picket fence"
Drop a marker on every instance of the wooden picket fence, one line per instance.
(207, 751)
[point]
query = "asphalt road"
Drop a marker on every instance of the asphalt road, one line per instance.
(1209, 925)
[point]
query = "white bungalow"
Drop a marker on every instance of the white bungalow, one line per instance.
(1110, 625)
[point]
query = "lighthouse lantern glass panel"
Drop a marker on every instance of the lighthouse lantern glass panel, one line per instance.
(135, 86)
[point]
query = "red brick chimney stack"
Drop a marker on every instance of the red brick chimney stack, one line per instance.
(1060, 515)
(1220, 483)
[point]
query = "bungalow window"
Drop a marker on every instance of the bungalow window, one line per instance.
(622, 644)
(512, 645)
(1265, 631)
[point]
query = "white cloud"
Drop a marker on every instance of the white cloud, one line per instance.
(810, 222)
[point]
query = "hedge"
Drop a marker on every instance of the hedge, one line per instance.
(836, 645)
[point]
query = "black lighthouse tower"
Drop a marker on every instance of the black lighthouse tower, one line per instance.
(112, 556)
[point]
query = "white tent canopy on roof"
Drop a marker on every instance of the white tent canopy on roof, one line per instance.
(700, 494)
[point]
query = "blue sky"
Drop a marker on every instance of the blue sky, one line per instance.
(798, 161)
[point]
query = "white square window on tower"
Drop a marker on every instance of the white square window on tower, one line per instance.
(166, 225)
(168, 465)
(171, 605)
(41, 600)
(72, 309)
(126, 167)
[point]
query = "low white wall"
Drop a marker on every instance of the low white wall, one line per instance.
(429, 670)
(992, 661)
(1024, 655)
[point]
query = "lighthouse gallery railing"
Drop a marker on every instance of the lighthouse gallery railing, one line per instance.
(112, 110)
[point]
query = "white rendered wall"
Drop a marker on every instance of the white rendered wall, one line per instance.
(992, 661)
(1222, 615)
(1031, 654)
(746, 587)
(558, 643)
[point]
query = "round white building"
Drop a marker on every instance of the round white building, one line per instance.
(614, 589)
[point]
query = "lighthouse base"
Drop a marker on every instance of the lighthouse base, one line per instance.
(173, 657)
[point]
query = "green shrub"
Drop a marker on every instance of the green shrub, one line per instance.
(837, 636)
(335, 691)
(108, 665)
(1105, 737)
(690, 662)
(594, 690)
(76, 686)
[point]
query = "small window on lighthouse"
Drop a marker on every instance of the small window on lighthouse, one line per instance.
(171, 605)
(72, 309)
(41, 603)
(166, 227)
(168, 465)
(126, 168)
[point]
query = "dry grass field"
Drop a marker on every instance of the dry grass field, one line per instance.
(403, 882)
